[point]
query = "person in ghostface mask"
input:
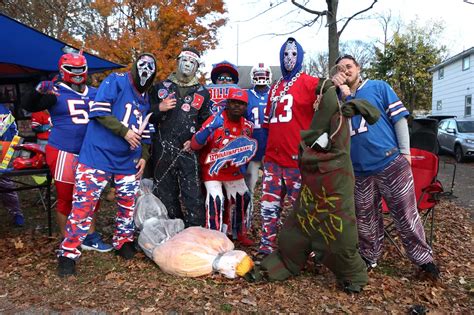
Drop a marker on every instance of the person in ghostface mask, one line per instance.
(289, 110)
(180, 106)
(116, 145)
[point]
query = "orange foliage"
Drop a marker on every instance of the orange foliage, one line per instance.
(161, 27)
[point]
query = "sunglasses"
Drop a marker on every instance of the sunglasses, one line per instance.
(225, 78)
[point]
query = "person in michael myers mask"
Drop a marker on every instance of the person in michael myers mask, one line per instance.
(180, 106)
(115, 146)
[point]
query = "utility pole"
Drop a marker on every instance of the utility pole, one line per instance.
(237, 46)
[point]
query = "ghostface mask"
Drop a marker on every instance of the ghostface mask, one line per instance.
(143, 72)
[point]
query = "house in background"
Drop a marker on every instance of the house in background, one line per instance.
(453, 85)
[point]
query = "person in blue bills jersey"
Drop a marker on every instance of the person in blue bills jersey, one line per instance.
(380, 155)
(261, 79)
(67, 98)
(116, 145)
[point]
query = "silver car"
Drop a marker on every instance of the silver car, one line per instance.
(456, 135)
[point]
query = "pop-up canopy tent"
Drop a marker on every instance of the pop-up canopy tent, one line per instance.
(26, 52)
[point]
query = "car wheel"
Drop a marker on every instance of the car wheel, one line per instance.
(440, 149)
(458, 153)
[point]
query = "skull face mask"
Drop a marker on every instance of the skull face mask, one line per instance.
(143, 72)
(290, 55)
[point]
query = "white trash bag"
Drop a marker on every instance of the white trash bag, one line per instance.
(157, 231)
(197, 251)
(148, 205)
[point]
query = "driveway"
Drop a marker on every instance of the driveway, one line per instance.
(463, 192)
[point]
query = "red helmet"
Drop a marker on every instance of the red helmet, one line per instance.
(73, 68)
(31, 156)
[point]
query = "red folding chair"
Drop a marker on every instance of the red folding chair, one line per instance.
(428, 190)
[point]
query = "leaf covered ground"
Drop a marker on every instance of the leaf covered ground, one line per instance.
(106, 283)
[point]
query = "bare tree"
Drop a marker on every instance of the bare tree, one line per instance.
(332, 23)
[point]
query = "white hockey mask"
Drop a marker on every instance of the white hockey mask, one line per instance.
(290, 56)
(187, 66)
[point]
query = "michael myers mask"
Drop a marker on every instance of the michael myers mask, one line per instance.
(291, 53)
(144, 71)
(188, 63)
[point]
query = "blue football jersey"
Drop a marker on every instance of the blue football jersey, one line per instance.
(373, 147)
(70, 117)
(255, 113)
(104, 150)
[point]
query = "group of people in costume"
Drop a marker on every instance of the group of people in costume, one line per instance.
(332, 146)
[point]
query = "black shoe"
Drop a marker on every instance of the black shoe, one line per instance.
(431, 270)
(370, 265)
(349, 287)
(127, 251)
(66, 266)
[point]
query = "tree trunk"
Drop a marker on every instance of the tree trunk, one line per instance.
(333, 37)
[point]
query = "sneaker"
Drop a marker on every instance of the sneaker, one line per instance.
(370, 265)
(66, 266)
(127, 251)
(18, 220)
(431, 270)
(94, 242)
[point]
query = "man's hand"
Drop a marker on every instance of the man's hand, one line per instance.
(47, 87)
(187, 146)
(168, 103)
(141, 168)
(217, 122)
(339, 79)
(408, 157)
(133, 139)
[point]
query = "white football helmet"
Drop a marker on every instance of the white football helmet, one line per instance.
(261, 75)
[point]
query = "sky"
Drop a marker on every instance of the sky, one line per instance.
(244, 43)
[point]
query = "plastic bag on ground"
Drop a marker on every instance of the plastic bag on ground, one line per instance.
(148, 205)
(197, 251)
(157, 231)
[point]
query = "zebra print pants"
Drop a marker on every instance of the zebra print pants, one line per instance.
(395, 185)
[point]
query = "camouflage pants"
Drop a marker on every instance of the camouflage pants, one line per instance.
(89, 185)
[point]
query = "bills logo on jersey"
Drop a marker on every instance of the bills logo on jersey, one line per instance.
(238, 152)
(162, 93)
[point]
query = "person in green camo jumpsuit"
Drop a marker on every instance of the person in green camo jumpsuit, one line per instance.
(323, 221)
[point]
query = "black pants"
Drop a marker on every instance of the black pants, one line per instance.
(177, 174)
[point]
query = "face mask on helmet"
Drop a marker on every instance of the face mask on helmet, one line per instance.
(143, 72)
(261, 75)
(290, 56)
(73, 68)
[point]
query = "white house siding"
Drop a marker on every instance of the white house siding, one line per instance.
(453, 88)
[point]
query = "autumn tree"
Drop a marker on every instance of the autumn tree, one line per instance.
(405, 61)
(162, 27)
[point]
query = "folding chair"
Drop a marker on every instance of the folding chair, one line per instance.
(428, 190)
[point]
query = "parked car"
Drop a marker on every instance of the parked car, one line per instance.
(456, 135)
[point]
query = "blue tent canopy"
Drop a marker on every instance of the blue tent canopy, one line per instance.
(27, 52)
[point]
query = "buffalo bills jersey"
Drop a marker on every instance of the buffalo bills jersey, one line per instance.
(8, 128)
(286, 117)
(255, 113)
(226, 149)
(70, 117)
(374, 146)
(104, 150)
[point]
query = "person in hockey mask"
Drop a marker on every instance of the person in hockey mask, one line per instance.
(289, 110)
(115, 147)
(67, 133)
(180, 106)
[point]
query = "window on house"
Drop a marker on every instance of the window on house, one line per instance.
(439, 105)
(466, 63)
(441, 73)
(468, 106)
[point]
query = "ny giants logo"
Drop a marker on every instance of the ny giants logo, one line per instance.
(238, 152)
